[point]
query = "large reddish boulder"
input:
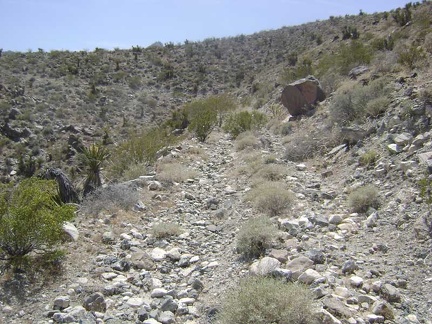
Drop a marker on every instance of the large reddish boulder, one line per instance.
(300, 96)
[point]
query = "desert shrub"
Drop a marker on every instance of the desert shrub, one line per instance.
(362, 198)
(369, 158)
(376, 107)
(139, 149)
(243, 121)
(272, 172)
(246, 140)
(202, 117)
(175, 172)
(411, 57)
(356, 103)
(164, 230)
(402, 15)
(110, 198)
(426, 94)
(134, 82)
(260, 300)
(271, 198)
(30, 218)
(255, 237)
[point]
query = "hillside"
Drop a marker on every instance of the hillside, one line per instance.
(161, 241)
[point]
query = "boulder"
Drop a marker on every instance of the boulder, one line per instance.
(299, 96)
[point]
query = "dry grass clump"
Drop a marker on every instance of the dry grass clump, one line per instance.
(175, 172)
(110, 199)
(272, 172)
(246, 140)
(361, 199)
(164, 230)
(271, 198)
(261, 300)
(255, 237)
(369, 158)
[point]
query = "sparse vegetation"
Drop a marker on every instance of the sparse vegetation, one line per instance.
(243, 121)
(260, 300)
(165, 230)
(271, 198)
(369, 158)
(30, 219)
(174, 172)
(254, 237)
(363, 198)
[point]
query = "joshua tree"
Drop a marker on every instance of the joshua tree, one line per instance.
(67, 191)
(94, 156)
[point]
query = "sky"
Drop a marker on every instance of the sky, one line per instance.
(87, 24)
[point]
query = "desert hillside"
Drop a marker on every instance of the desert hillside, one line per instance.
(218, 181)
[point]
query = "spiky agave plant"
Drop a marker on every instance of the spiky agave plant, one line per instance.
(94, 156)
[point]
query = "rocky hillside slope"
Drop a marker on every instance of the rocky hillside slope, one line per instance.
(164, 247)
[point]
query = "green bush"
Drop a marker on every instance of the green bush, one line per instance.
(139, 149)
(255, 237)
(411, 57)
(361, 199)
(369, 158)
(244, 121)
(271, 198)
(30, 218)
(260, 300)
(203, 118)
(376, 107)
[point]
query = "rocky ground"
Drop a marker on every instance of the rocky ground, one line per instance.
(363, 268)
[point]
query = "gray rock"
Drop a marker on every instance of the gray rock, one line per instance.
(166, 317)
(349, 267)
(169, 304)
(382, 308)
(299, 265)
(336, 307)
(61, 302)
(71, 231)
(309, 276)
(95, 303)
(317, 256)
(159, 292)
(391, 293)
(264, 266)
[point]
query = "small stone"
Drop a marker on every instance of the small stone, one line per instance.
(394, 148)
(349, 267)
(372, 318)
(61, 302)
(166, 317)
(174, 254)
(96, 303)
(108, 237)
(335, 219)
(391, 293)
(301, 167)
(135, 302)
(356, 281)
(382, 308)
(158, 254)
(71, 231)
(343, 292)
(159, 292)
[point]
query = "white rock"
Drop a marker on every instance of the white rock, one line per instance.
(264, 266)
(342, 292)
(109, 275)
(61, 302)
(135, 302)
(158, 254)
(356, 281)
(158, 292)
(309, 276)
(394, 148)
(71, 230)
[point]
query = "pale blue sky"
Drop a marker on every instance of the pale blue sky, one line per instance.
(87, 24)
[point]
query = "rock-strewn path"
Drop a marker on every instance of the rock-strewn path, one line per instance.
(362, 268)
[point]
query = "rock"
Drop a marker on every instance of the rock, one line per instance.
(135, 302)
(174, 254)
(280, 255)
(14, 113)
(390, 293)
(309, 276)
(335, 219)
(382, 308)
(71, 231)
(356, 281)
(327, 318)
(95, 303)
(403, 139)
(349, 267)
(155, 186)
(159, 292)
(108, 237)
(357, 71)
(158, 254)
(169, 304)
(394, 148)
(264, 266)
(166, 317)
(317, 256)
(61, 302)
(372, 318)
(151, 321)
(336, 307)
(299, 265)
(300, 96)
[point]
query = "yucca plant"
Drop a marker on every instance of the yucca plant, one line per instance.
(93, 157)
